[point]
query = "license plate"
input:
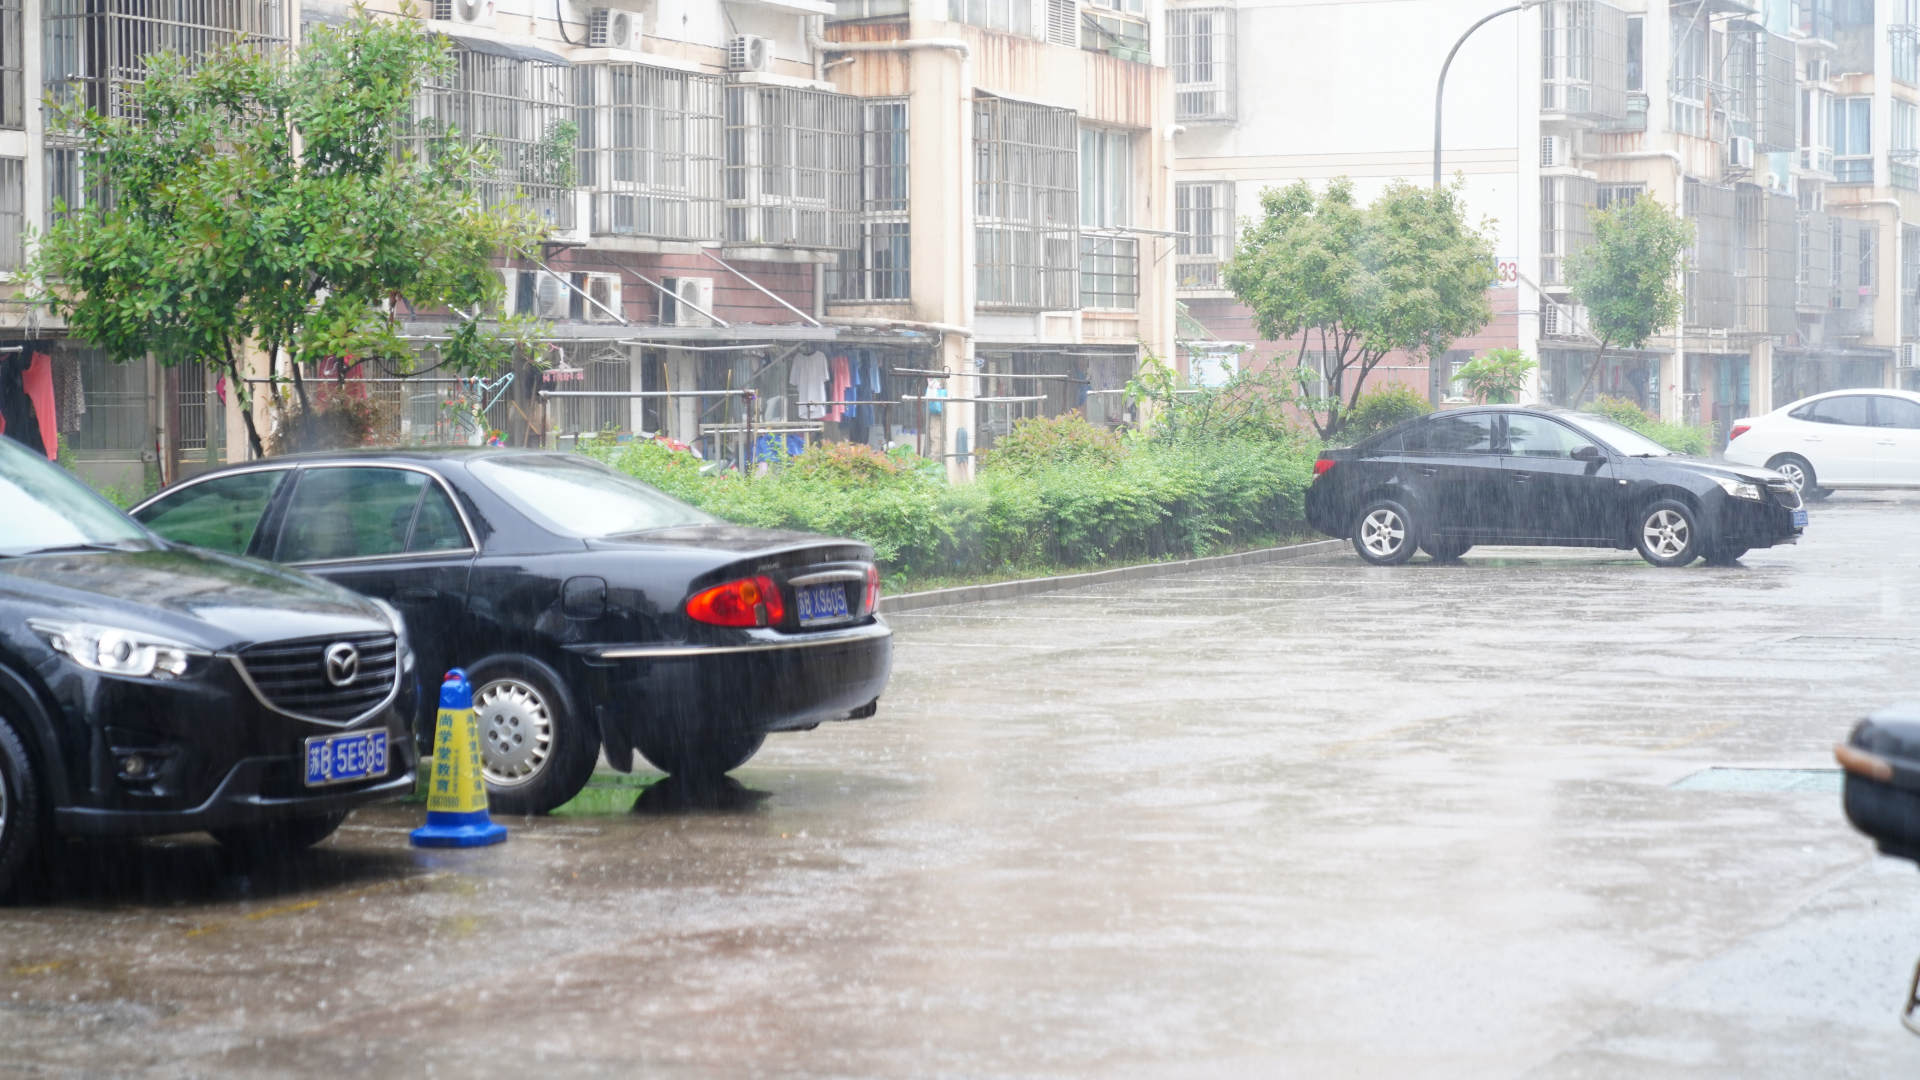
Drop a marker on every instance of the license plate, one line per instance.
(822, 603)
(337, 759)
(1799, 519)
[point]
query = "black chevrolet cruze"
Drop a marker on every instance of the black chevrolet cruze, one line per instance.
(1508, 475)
(149, 688)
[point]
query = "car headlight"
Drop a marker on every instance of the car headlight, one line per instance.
(1739, 489)
(132, 654)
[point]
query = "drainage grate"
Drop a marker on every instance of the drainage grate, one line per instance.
(1763, 781)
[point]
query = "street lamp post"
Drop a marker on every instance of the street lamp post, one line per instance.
(1439, 90)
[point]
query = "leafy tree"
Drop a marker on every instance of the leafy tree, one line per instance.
(1625, 277)
(1355, 283)
(1382, 407)
(1498, 377)
(257, 201)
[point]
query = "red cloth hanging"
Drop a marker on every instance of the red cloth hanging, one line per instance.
(39, 384)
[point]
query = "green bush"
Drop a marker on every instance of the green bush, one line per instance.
(1140, 500)
(1045, 441)
(1381, 408)
(1694, 439)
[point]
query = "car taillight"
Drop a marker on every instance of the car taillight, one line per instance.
(1738, 430)
(1322, 465)
(753, 601)
(873, 589)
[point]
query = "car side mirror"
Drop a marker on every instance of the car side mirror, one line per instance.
(1589, 453)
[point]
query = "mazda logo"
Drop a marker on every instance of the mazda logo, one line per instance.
(343, 663)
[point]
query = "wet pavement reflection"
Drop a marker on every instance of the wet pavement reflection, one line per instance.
(1311, 818)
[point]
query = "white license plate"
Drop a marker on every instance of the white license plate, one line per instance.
(1799, 519)
(337, 759)
(822, 603)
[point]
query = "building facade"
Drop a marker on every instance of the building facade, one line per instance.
(879, 201)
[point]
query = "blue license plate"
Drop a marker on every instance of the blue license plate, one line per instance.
(336, 759)
(1799, 519)
(822, 603)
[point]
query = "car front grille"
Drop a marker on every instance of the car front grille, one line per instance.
(293, 676)
(1784, 494)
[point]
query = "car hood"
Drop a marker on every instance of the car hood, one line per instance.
(199, 598)
(1750, 473)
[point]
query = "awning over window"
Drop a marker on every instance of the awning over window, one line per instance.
(511, 52)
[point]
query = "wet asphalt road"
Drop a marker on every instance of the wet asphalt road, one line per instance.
(1305, 819)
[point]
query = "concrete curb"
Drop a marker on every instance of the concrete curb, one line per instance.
(1005, 590)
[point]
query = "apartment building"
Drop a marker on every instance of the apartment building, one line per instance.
(1785, 130)
(962, 198)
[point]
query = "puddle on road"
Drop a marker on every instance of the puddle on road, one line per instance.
(1763, 781)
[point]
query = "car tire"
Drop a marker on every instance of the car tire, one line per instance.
(280, 839)
(1383, 533)
(1667, 532)
(1799, 472)
(699, 757)
(1445, 550)
(20, 824)
(537, 749)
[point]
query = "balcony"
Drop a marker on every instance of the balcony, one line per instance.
(1583, 60)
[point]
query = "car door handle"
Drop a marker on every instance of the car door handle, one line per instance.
(416, 593)
(1885, 442)
(1521, 477)
(1425, 471)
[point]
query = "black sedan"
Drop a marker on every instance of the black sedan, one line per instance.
(148, 688)
(1507, 475)
(592, 612)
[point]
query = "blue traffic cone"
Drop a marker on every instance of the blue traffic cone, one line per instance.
(457, 800)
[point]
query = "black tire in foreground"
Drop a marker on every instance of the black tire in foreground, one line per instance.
(1667, 532)
(537, 750)
(1383, 533)
(705, 756)
(1445, 550)
(20, 824)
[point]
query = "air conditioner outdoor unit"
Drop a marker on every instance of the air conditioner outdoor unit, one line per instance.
(697, 294)
(471, 12)
(749, 52)
(1740, 152)
(1554, 151)
(605, 291)
(1909, 356)
(608, 28)
(550, 295)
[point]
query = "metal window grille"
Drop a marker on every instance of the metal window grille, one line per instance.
(1910, 281)
(1609, 196)
(1006, 16)
(608, 368)
(1688, 85)
(1201, 41)
(190, 407)
(650, 151)
(117, 396)
(849, 10)
(69, 183)
(1763, 86)
(1116, 35)
(95, 51)
(1583, 59)
(517, 110)
(1814, 280)
(1712, 297)
(1026, 205)
(1905, 41)
(792, 167)
(1109, 272)
(1768, 223)
(878, 268)
(13, 79)
(1904, 162)
(1203, 216)
(1869, 251)
(1564, 228)
(13, 212)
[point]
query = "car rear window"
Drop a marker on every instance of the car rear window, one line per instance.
(1452, 435)
(577, 497)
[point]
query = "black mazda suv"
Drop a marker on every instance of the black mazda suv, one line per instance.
(1509, 475)
(149, 688)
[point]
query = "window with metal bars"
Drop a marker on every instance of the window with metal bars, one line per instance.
(1006, 16)
(1904, 164)
(1903, 31)
(519, 111)
(1203, 216)
(792, 167)
(1109, 263)
(650, 150)
(878, 268)
(608, 369)
(117, 399)
(1026, 205)
(1564, 230)
(13, 212)
(1201, 44)
(1583, 59)
(70, 183)
(13, 82)
(94, 52)
(1124, 36)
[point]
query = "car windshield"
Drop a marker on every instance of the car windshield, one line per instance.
(579, 498)
(1621, 438)
(46, 509)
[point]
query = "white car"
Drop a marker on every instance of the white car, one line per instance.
(1836, 440)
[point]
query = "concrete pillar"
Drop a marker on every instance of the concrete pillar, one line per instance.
(940, 215)
(1760, 379)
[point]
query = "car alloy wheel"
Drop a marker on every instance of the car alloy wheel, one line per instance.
(1384, 532)
(1669, 534)
(1799, 472)
(516, 731)
(1794, 472)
